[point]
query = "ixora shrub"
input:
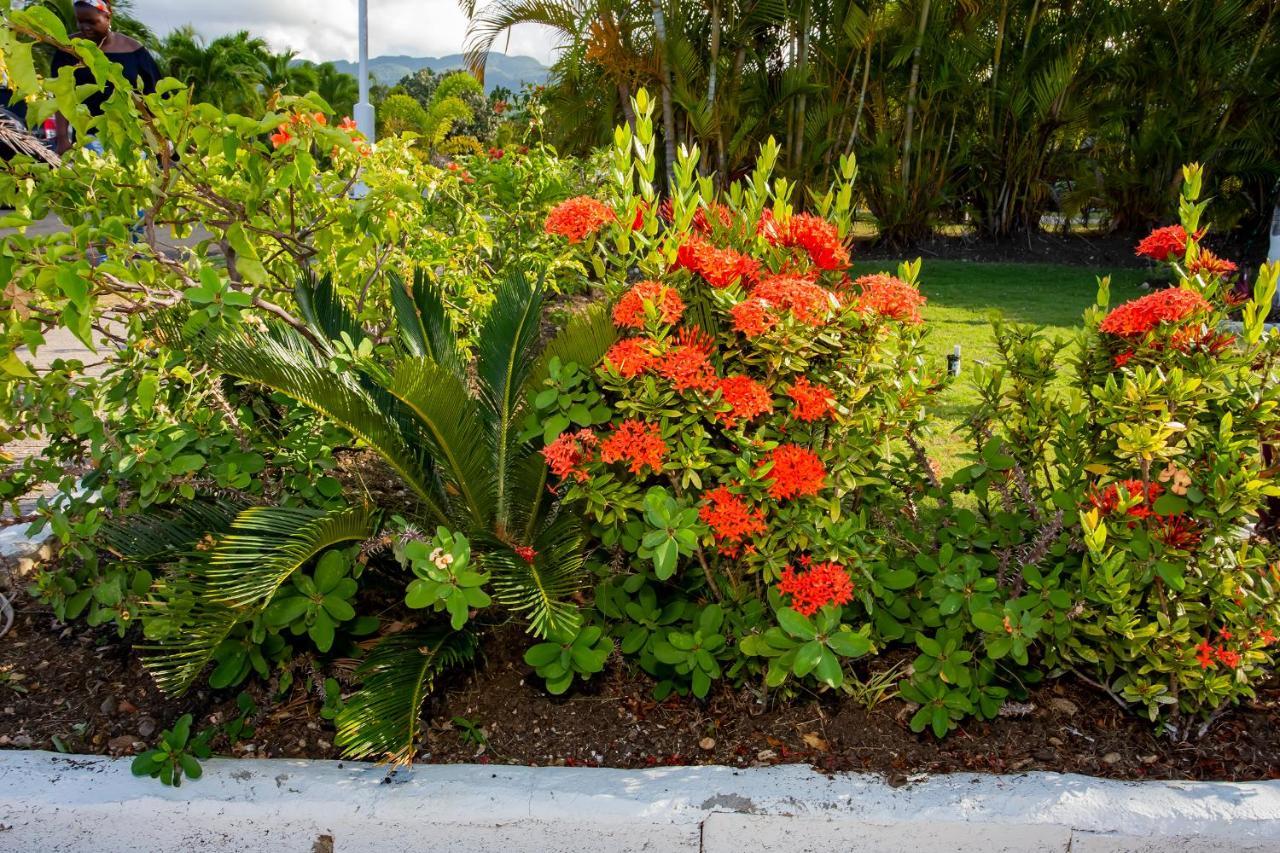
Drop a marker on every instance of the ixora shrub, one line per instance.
(760, 415)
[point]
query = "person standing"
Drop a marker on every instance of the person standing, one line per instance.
(93, 17)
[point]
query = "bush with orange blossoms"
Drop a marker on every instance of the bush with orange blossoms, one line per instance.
(579, 218)
(746, 397)
(821, 585)
(813, 402)
(797, 472)
(809, 303)
(718, 267)
(1164, 244)
(638, 444)
(1144, 315)
(731, 520)
(890, 297)
(633, 309)
(1208, 264)
(632, 356)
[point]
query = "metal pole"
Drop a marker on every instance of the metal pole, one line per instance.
(365, 118)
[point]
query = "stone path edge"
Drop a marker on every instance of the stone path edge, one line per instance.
(59, 802)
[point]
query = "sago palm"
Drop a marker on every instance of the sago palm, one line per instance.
(451, 430)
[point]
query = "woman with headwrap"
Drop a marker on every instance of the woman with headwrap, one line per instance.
(94, 20)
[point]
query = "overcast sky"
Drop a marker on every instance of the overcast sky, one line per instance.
(326, 29)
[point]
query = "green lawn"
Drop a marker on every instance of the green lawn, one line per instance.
(963, 296)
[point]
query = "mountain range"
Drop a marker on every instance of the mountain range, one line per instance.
(510, 72)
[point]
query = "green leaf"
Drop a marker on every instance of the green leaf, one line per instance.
(796, 625)
(332, 568)
(829, 671)
(1170, 504)
(381, 719)
(665, 559)
(898, 579)
(989, 621)
(807, 657)
(1172, 575)
(849, 644)
(542, 654)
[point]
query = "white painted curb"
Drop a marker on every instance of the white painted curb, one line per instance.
(51, 802)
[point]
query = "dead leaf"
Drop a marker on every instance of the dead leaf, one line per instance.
(816, 742)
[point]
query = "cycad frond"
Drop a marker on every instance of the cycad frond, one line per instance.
(583, 341)
(448, 422)
(503, 362)
(268, 544)
(282, 361)
(324, 311)
(212, 593)
(163, 535)
(543, 590)
(424, 322)
(382, 718)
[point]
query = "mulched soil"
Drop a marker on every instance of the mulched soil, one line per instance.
(83, 690)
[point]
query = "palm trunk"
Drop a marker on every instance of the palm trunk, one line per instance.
(624, 95)
(862, 100)
(912, 92)
(802, 105)
(713, 80)
(668, 107)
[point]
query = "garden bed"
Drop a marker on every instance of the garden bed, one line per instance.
(85, 691)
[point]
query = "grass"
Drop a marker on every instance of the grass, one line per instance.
(963, 298)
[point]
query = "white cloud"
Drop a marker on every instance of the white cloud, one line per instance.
(326, 29)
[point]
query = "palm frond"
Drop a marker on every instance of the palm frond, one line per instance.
(213, 592)
(583, 340)
(324, 311)
(268, 544)
(543, 591)
(284, 362)
(452, 429)
(503, 363)
(382, 718)
(162, 535)
(424, 322)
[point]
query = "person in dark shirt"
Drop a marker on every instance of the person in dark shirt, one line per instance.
(94, 20)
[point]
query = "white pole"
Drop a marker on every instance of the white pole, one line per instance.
(365, 118)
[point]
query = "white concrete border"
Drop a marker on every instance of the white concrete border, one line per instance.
(51, 802)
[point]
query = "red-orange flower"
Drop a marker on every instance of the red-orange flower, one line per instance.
(719, 267)
(1124, 358)
(1227, 656)
(688, 368)
(751, 317)
(567, 455)
(820, 239)
(526, 553)
(1178, 532)
(729, 517)
(631, 356)
(890, 297)
(579, 218)
(1108, 500)
(631, 313)
(796, 472)
(822, 585)
(637, 443)
(1204, 654)
(747, 397)
(807, 302)
(813, 402)
(282, 136)
(1164, 244)
(348, 124)
(1142, 315)
(1211, 266)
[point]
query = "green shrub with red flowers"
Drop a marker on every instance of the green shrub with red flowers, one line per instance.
(762, 409)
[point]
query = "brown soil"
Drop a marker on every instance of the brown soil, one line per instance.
(84, 691)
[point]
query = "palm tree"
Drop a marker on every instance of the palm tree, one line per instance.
(340, 91)
(226, 72)
(284, 74)
(452, 433)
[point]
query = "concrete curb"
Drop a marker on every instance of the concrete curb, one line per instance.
(51, 802)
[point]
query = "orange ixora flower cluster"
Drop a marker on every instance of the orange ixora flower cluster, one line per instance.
(720, 268)
(579, 218)
(1108, 500)
(813, 402)
(1164, 244)
(638, 444)
(809, 303)
(815, 235)
(568, 455)
(890, 297)
(797, 472)
(821, 585)
(1144, 315)
(746, 397)
(731, 520)
(687, 366)
(631, 357)
(1210, 265)
(632, 310)
(1176, 531)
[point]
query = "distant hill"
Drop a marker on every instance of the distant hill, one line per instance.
(502, 70)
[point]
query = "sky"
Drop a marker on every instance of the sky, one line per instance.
(326, 29)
